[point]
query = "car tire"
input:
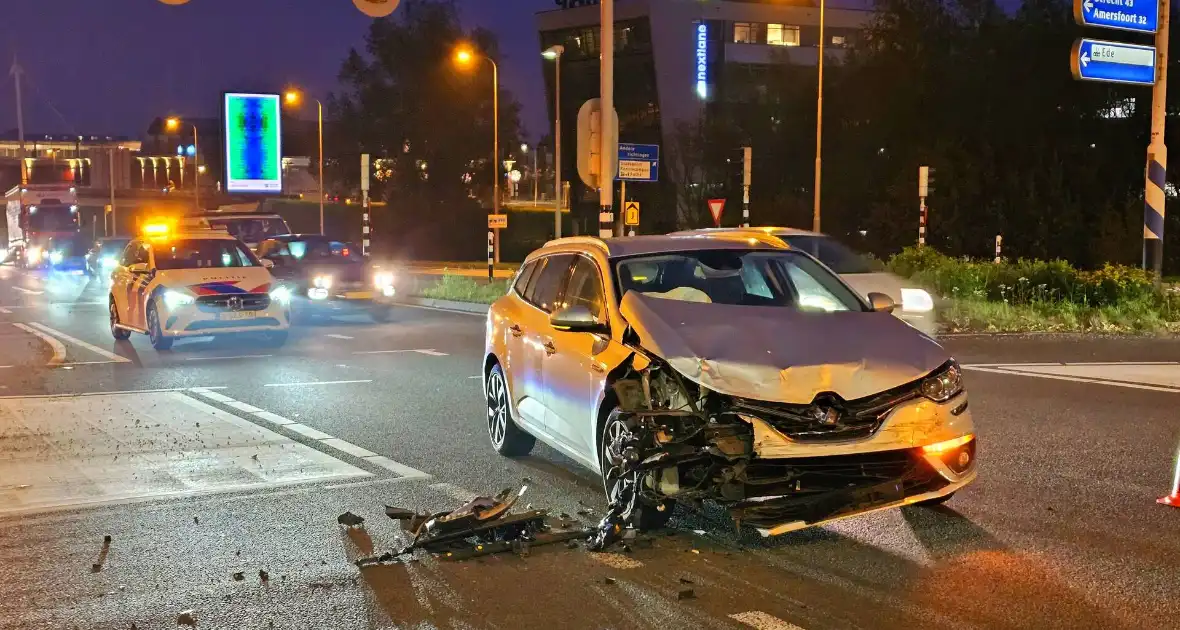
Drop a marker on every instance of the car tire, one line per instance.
(155, 333)
(120, 334)
(381, 314)
(646, 516)
(936, 501)
(507, 438)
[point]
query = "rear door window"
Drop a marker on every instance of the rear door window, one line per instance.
(543, 293)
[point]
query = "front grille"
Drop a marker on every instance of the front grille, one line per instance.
(855, 419)
(233, 302)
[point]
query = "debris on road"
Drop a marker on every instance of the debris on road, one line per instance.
(686, 593)
(187, 618)
(482, 526)
(348, 519)
(106, 540)
(239, 576)
(609, 580)
(263, 575)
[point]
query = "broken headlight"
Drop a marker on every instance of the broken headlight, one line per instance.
(945, 383)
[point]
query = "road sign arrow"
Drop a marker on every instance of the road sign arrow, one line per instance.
(1085, 60)
(1089, 6)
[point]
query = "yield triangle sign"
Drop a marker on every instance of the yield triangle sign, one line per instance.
(716, 206)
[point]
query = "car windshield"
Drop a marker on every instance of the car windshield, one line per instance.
(52, 219)
(832, 253)
(251, 230)
(71, 245)
(113, 246)
(319, 250)
(749, 278)
(202, 253)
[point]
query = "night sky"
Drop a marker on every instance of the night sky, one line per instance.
(110, 66)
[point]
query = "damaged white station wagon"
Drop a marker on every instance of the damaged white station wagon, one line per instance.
(725, 368)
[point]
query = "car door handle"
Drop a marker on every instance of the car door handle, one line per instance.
(550, 349)
(598, 367)
(515, 330)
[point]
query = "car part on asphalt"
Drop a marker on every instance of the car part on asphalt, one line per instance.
(348, 519)
(482, 526)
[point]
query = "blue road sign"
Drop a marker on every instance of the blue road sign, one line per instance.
(1113, 62)
(639, 162)
(1140, 16)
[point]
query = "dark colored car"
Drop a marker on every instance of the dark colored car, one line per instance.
(104, 256)
(328, 277)
(66, 253)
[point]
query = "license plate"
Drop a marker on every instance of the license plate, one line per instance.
(358, 295)
(236, 315)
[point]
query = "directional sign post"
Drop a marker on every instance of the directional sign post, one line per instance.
(1113, 62)
(639, 162)
(1140, 16)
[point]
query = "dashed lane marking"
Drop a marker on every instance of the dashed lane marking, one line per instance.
(59, 349)
(335, 336)
(310, 383)
(124, 391)
(28, 291)
(427, 351)
(1154, 377)
(763, 621)
(237, 356)
(328, 441)
(78, 342)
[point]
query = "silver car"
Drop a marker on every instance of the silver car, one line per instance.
(916, 305)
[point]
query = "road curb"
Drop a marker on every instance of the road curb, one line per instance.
(446, 305)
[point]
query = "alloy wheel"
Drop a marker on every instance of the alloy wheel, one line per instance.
(497, 408)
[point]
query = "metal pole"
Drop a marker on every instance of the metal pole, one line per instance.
(747, 169)
(114, 230)
(819, 120)
(606, 226)
(1157, 151)
(536, 188)
(495, 158)
(557, 155)
(622, 205)
(20, 121)
(320, 107)
(196, 169)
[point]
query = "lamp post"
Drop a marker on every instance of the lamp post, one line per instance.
(554, 53)
(292, 98)
(819, 119)
(465, 57)
(173, 124)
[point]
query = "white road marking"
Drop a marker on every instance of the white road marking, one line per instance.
(458, 493)
(476, 376)
(308, 383)
(304, 430)
(75, 363)
(117, 392)
(348, 447)
(116, 449)
(763, 621)
(59, 350)
(335, 336)
(327, 440)
(28, 291)
(427, 351)
(238, 356)
(1158, 380)
(78, 342)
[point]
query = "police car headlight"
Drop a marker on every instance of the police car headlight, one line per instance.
(322, 282)
(943, 384)
(176, 299)
(282, 295)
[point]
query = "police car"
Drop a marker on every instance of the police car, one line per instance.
(169, 285)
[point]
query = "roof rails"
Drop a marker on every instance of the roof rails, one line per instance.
(579, 240)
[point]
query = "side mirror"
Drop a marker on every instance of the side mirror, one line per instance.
(268, 263)
(576, 318)
(882, 303)
(139, 268)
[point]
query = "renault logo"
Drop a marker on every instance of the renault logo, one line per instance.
(826, 416)
(234, 303)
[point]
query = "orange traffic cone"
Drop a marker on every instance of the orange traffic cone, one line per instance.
(1174, 498)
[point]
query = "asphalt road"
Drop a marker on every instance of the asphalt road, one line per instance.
(227, 457)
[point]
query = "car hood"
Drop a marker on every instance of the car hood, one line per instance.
(218, 282)
(779, 354)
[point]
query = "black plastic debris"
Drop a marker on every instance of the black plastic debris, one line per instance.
(187, 618)
(479, 527)
(348, 519)
(239, 576)
(263, 575)
(609, 580)
(686, 593)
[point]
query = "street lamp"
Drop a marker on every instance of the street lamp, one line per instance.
(554, 53)
(292, 97)
(173, 124)
(464, 57)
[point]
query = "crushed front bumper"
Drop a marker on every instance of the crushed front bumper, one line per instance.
(191, 320)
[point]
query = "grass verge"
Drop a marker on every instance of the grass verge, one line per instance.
(465, 289)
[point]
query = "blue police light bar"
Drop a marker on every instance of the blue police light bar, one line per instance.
(1139, 16)
(1113, 62)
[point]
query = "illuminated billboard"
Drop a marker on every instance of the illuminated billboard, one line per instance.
(253, 143)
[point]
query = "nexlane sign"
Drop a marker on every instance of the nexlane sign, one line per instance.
(639, 162)
(1113, 62)
(1140, 16)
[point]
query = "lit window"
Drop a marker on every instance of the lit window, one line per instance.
(782, 35)
(838, 40)
(744, 33)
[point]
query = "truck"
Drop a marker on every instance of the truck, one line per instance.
(40, 215)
